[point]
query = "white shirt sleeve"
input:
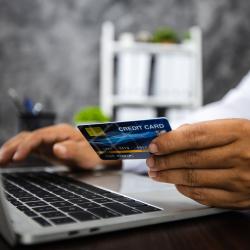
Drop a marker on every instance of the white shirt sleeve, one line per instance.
(235, 104)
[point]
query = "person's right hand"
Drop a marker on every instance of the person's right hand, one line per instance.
(61, 144)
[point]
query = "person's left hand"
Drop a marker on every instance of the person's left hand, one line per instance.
(208, 162)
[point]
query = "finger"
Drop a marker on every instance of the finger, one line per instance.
(216, 197)
(218, 178)
(48, 135)
(9, 148)
(219, 157)
(195, 136)
(76, 153)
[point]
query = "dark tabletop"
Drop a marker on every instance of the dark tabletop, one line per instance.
(224, 231)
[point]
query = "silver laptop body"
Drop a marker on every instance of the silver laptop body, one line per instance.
(18, 228)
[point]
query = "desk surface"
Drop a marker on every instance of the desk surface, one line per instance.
(217, 232)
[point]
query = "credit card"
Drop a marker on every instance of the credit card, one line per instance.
(124, 140)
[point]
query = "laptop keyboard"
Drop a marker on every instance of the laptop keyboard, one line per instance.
(54, 199)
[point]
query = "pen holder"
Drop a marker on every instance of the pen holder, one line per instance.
(30, 122)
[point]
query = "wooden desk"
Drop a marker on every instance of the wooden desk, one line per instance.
(218, 232)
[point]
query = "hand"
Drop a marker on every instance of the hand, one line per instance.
(208, 162)
(59, 144)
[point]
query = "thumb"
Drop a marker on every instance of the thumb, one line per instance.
(77, 153)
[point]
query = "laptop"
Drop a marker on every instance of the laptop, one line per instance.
(44, 204)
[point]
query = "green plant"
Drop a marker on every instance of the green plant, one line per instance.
(165, 34)
(90, 114)
(186, 35)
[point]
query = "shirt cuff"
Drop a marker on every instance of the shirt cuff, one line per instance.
(138, 166)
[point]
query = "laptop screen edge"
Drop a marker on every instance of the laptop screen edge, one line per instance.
(6, 228)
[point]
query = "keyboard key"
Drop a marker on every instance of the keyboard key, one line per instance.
(147, 208)
(53, 199)
(83, 216)
(104, 212)
(69, 196)
(123, 199)
(71, 209)
(61, 192)
(64, 220)
(41, 221)
(30, 213)
(102, 200)
(22, 208)
(89, 205)
(113, 195)
(8, 196)
(134, 204)
(79, 201)
(15, 202)
(75, 198)
(44, 209)
(89, 195)
(43, 194)
(120, 208)
(61, 204)
(36, 204)
(29, 199)
(22, 194)
(53, 214)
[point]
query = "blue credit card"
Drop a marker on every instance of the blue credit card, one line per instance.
(124, 140)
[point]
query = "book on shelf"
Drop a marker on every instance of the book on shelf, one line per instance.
(133, 71)
(133, 113)
(173, 77)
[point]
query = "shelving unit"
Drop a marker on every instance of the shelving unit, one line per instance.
(110, 48)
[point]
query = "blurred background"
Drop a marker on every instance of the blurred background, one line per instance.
(49, 49)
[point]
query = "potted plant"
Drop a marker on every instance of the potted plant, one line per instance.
(90, 114)
(165, 35)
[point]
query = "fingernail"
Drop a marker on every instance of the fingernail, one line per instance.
(152, 174)
(60, 149)
(16, 156)
(1, 155)
(153, 148)
(150, 162)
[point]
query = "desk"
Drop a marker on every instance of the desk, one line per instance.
(218, 232)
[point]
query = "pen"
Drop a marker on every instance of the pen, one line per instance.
(37, 108)
(28, 105)
(15, 99)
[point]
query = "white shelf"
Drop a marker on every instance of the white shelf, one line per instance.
(112, 48)
(151, 48)
(149, 101)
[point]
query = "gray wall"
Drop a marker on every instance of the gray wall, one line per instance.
(49, 48)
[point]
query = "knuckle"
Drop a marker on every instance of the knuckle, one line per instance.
(198, 195)
(241, 178)
(191, 177)
(193, 136)
(161, 162)
(17, 139)
(245, 204)
(207, 203)
(64, 126)
(164, 143)
(244, 184)
(244, 155)
(34, 135)
(24, 133)
(191, 158)
(244, 126)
